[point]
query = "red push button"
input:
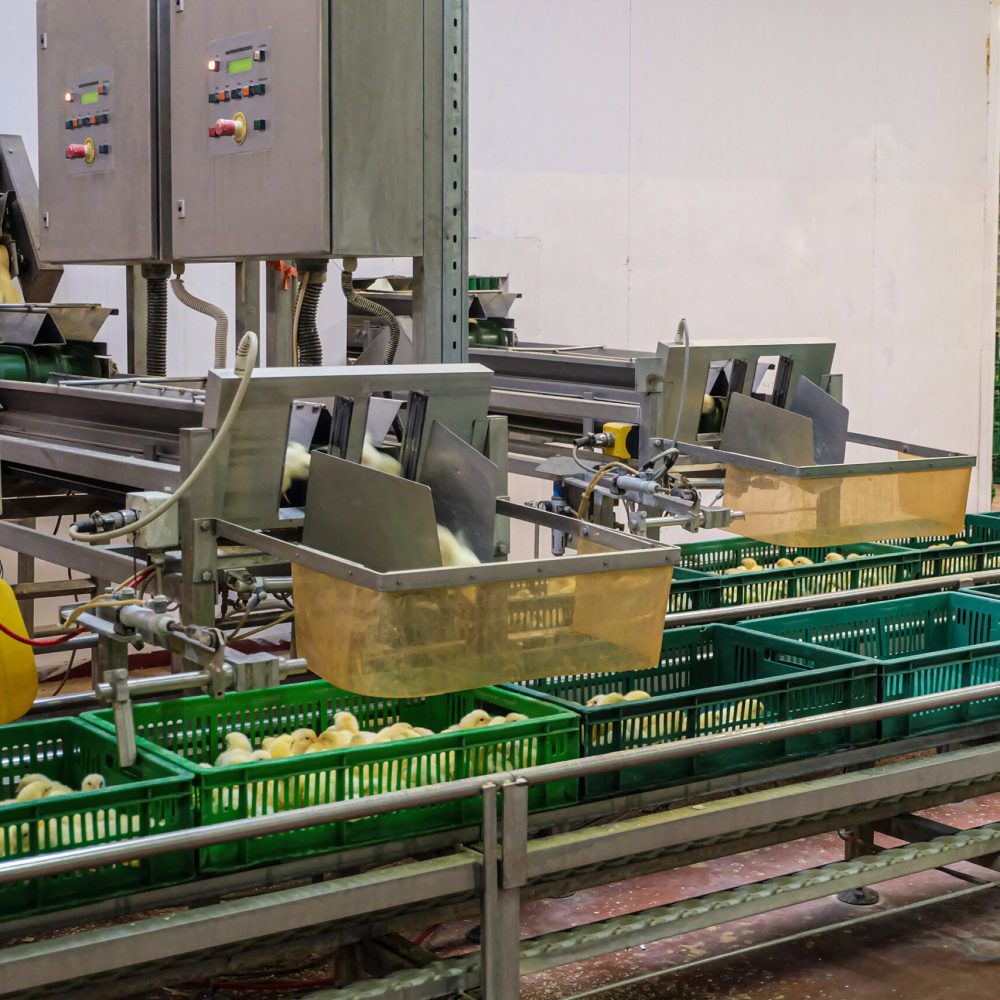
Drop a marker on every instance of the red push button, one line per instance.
(224, 126)
(76, 151)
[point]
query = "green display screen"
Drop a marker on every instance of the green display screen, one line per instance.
(91, 97)
(240, 65)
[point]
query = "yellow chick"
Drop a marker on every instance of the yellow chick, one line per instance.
(833, 557)
(516, 717)
(346, 721)
(421, 731)
(302, 739)
(280, 747)
(783, 563)
(238, 741)
(748, 563)
(454, 552)
(637, 696)
(734, 571)
(260, 755)
(475, 719)
(92, 783)
(333, 739)
(29, 779)
(498, 720)
(940, 545)
(851, 556)
(297, 464)
(363, 739)
(802, 561)
(959, 545)
(57, 788)
(372, 458)
(33, 790)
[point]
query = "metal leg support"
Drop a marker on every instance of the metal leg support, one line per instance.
(504, 871)
(859, 842)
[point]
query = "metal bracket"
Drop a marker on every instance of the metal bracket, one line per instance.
(124, 719)
(256, 671)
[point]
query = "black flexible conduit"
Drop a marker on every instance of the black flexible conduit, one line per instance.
(156, 326)
(310, 347)
(365, 305)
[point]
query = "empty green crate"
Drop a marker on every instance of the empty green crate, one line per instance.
(984, 527)
(192, 731)
(713, 679)
(151, 797)
(923, 645)
(877, 564)
(975, 553)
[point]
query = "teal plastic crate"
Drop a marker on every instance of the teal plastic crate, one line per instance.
(975, 551)
(923, 645)
(878, 564)
(713, 679)
(984, 527)
(191, 731)
(153, 796)
(692, 590)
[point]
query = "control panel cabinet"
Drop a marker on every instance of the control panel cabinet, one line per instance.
(100, 177)
(296, 128)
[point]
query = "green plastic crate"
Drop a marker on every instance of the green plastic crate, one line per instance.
(923, 645)
(881, 564)
(713, 679)
(984, 527)
(192, 731)
(153, 796)
(978, 552)
(692, 590)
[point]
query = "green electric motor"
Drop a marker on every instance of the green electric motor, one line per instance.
(19, 363)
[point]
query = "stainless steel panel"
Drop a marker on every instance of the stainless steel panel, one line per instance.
(830, 421)
(765, 431)
(367, 517)
(377, 86)
(267, 199)
(102, 207)
(465, 484)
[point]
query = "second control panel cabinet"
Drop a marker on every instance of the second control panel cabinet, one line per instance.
(101, 181)
(296, 128)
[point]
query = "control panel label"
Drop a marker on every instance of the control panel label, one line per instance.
(89, 122)
(238, 95)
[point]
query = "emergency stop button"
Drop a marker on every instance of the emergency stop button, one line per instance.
(85, 151)
(235, 128)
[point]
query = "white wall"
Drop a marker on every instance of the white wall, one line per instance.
(762, 167)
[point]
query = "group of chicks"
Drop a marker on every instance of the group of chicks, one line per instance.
(672, 725)
(37, 786)
(344, 733)
(750, 565)
(454, 552)
(947, 545)
(64, 831)
(425, 766)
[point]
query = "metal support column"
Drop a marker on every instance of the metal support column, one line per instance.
(441, 275)
(26, 574)
(199, 571)
(136, 320)
(504, 873)
(859, 842)
(280, 337)
(247, 299)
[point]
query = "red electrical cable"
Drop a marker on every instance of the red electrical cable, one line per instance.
(39, 643)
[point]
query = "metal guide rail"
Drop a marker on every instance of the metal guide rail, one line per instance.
(507, 867)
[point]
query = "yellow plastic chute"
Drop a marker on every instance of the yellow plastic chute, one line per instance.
(18, 676)
(9, 295)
